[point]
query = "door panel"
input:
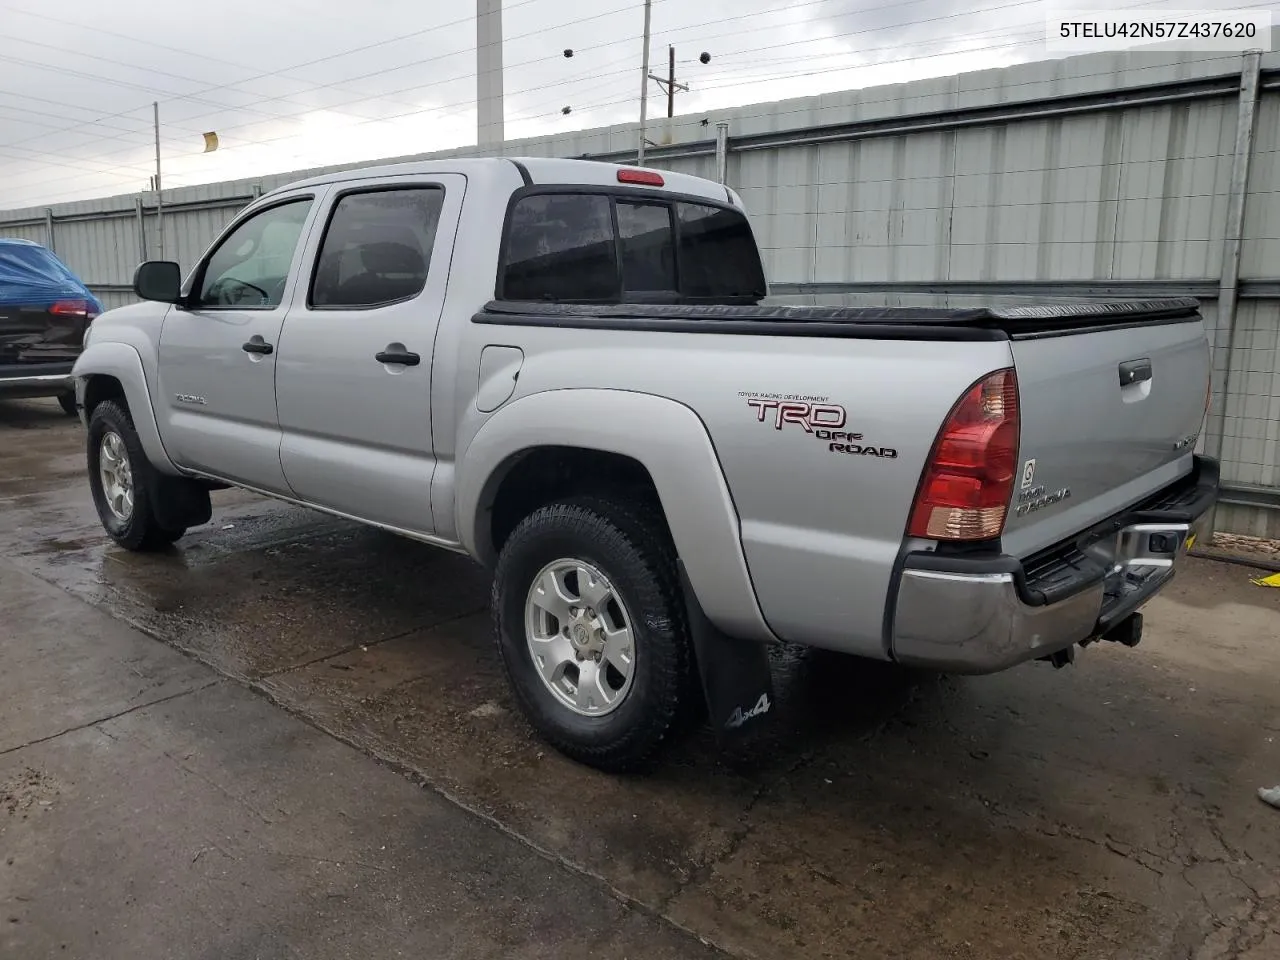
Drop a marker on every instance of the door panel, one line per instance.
(218, 356)
(353, 380)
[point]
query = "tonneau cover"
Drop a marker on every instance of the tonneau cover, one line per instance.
(1029, 319)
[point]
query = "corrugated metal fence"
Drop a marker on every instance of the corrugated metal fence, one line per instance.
(1104, 175)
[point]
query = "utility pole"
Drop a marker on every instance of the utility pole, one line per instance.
(668, 83)
(671, 82)
(489, 105)
(155, 112)
(644, 83)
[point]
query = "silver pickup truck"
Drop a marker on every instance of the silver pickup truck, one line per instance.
(566, 370)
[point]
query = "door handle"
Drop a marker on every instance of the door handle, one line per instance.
(1134, 371)
(257, 345)
(398, 356)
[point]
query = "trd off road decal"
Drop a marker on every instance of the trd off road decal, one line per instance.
(816, 416)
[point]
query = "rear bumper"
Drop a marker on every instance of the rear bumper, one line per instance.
(969, 614)
(35, 379)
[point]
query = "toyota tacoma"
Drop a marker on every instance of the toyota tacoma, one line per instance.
(572, 372)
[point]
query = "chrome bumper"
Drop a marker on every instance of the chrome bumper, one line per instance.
(54, 382)
(968, 615)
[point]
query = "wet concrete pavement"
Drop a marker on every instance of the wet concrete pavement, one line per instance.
(165, 811)
(1105, 810)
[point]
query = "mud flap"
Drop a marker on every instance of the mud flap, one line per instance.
(735, 675)
(179, 503)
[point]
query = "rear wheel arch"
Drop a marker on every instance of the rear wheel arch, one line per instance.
(537, 476)
(643, 444)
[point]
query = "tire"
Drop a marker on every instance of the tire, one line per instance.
(68, 403)
(134, 528)
(631, 549)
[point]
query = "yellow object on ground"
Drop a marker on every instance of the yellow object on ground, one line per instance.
(1271, 581)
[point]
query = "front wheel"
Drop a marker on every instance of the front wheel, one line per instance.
(592, 630)
(120, 478)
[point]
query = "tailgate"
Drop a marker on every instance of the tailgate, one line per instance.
(1109, 415)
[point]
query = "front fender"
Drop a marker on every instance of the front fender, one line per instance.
(122, 362)
(671, 442)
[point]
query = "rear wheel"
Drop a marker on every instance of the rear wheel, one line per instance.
(68, 403)
(592, 631)
(121, 480)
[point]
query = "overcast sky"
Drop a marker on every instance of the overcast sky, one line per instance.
(289, 84)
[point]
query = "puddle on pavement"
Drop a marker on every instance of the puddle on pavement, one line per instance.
(276, 590)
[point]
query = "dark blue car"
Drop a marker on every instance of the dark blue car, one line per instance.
(45, 310)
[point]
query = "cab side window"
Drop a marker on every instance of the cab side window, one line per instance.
(377, 248)
(250, 268)
(718, 256)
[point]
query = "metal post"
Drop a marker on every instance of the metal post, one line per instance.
(159, 202)
(48, 229)
(644, 83)
(671, 82)
(142, 228)
(489, 105)
(1228, 288)
(722, 151)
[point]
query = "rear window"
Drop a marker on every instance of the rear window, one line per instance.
(560, 247)
(647, 242)
(602, 248)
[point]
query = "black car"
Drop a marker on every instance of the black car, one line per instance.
(45, 310)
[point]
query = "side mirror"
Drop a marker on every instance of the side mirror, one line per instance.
(158, 280)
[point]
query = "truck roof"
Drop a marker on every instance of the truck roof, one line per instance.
(541, 170)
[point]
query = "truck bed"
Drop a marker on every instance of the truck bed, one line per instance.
(1111, 397)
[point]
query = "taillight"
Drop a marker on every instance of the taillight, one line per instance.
(72, 308)
(964, 493)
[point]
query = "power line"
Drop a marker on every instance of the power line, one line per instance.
(444, 56)
(471, 76)
(1004, 87)
(283, 117)
(58, 103)
(627, 100)
(1010, 4)
(387, 96)
(730, 81)
(124, 36)
(744, 80)
(308, 63)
